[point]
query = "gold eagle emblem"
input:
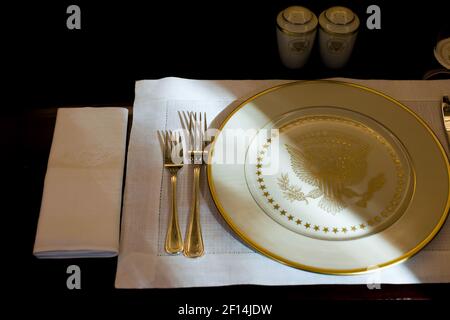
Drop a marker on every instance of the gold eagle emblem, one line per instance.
(332, 162)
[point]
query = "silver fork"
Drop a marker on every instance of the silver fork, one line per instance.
(193, 242)
(174, 241)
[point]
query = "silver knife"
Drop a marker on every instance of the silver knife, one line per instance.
(446, 116)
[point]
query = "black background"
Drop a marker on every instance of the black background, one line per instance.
(124, 41)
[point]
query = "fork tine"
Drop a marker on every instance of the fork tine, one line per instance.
(200, 133)
(181, 145)
(191, 132)
(176, 143)
(166, 145)
(204, 129)
(174, 140)
(189, 121)
(169, 142)
(172, 144)
(194, 131)
(198, 136)
(169, 145)
(205, 124)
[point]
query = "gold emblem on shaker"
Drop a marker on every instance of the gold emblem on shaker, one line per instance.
(298, 46)
(336, 46)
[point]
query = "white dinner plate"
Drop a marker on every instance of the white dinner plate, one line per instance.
(329, 177)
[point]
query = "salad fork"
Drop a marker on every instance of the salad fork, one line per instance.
(174, 241)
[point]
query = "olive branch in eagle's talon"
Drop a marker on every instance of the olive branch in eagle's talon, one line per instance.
(294, 193)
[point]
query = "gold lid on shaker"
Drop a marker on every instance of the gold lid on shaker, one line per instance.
(296, 20)
(339, 20)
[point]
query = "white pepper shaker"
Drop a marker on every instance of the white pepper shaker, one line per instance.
(337, 35)
(296, 31)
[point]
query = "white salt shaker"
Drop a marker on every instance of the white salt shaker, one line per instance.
(337, 35)
(296, 31)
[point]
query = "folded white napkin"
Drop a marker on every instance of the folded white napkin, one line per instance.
(80, 210)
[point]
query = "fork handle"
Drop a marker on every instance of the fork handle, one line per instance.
(193, 243)
(174, 243)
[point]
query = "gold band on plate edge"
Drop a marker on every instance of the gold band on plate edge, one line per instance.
(297, 265)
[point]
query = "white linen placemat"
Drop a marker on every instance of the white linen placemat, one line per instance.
(80, 210)
(142, 260)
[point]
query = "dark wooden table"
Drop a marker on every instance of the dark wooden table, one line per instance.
(48, 277)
